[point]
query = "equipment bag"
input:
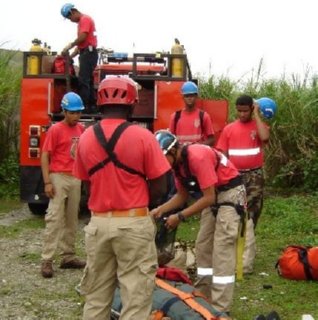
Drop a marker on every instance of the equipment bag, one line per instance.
(59, 66)
(298, 263)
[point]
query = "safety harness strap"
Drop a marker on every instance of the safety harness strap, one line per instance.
(109, 146)
(187, 298)
(178, 115)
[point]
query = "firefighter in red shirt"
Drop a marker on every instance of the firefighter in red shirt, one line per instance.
(209, 176)
(85, 45)
(243, 141)
(191, 124)
(126, 170)
(63, 189)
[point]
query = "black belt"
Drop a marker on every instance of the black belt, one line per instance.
(250, 170)
(235, 182)
(89, 49)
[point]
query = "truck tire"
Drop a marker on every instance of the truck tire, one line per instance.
(38, 208)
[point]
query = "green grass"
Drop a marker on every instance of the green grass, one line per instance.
(284, 221)
(7, 205)
(14, 230)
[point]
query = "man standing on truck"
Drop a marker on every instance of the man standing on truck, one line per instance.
(85, 45)
(204, 171)
(243, 141)
(126, 171)
(191, 125)
(61, 187)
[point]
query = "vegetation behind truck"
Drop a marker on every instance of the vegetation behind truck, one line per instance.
(160, 77)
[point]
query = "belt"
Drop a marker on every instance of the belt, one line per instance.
(89, 48)
(138, 212)
(250, 170)
(235, 182)
(67, 173)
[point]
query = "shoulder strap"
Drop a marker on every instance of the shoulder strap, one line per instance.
(184, 156)
(201, 115)
(187, 298)
(109, 146)
(176, 119)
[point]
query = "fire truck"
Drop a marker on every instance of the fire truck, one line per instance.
(159, 75)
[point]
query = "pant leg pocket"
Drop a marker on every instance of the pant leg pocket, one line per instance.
(147, 278)
(88, 278)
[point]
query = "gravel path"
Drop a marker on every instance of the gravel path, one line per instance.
(24, 294)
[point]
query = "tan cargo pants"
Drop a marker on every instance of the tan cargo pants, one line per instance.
(216, 250)
(61, 218)
(120, 251)
(254, 184)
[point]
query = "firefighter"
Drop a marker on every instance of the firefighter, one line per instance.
(85, 45)
(191, 124)
(61, 187)
(199, 168)
(243, 142)
(126, 170)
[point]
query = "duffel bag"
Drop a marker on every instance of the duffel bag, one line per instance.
(298, 263)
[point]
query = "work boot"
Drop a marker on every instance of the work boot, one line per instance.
(47, 269)
(73, 264)
(273, 316)
(260, 317)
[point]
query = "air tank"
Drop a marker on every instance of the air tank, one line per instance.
(177, 63)
(33, 61)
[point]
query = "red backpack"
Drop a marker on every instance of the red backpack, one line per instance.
(298, 263)
(59, 66)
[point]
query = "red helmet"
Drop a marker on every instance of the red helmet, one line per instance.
(117, 90)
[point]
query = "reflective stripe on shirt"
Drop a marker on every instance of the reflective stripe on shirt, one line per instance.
(223, 160)
(204, 271)
(189, 138)
(223, 280)
(244, 152)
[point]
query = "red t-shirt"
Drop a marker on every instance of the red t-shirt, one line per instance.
(113, 188)
(86, 24)
(60, 143)
(188, 129)
(243, 145)
(202, 161)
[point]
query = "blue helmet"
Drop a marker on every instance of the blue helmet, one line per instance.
(189, 87)
(66, 9)
(166, 140)
(267, 107)
(72, 102)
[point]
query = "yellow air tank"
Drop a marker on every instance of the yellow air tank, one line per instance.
(177, 63)
(33, 61)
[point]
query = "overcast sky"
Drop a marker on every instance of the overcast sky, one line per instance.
(221, 37)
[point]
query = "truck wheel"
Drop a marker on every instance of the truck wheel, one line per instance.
(38, 208)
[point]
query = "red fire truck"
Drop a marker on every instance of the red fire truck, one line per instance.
(42, 90)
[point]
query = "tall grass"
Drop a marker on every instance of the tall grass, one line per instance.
(10, 77)
(291, 156)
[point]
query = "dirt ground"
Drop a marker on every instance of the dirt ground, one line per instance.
(24, 294)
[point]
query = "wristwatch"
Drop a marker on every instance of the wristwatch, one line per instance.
(181, 216)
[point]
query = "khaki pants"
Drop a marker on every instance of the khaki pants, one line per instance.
(61, 218)
(216, 250)
(249, 248)
(120, 251)
(254, 184)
